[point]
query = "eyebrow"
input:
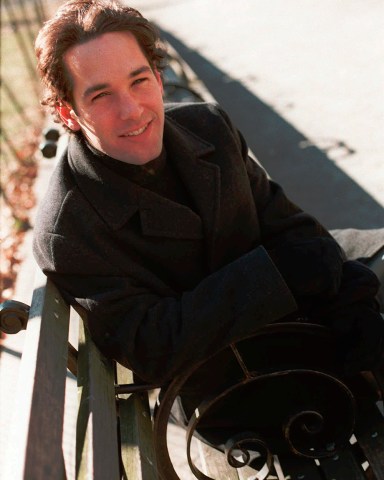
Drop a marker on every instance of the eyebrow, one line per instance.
(101, 86)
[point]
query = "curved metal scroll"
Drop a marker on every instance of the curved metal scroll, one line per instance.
(267, 394)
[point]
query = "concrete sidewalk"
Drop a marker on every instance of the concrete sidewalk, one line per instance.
(303, 81)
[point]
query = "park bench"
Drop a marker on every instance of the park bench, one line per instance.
(118, 434)
(79, 415)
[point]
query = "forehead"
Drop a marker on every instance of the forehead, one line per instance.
(103, 57)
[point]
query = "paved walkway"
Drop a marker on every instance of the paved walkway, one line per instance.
(303, 80)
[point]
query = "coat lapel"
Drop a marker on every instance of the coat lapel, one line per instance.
(161, 217)
(201, 178)
(117, 199)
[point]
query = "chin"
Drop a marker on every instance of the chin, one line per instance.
(137, 160)
(142, 160)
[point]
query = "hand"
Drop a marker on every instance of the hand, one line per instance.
(310, 267)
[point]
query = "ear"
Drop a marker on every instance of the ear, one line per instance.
(68, 116)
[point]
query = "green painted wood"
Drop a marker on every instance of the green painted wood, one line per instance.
(342, 466)
(136, 432)
(36, 437)
(97, 450)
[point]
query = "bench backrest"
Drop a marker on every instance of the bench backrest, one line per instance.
(54, 433)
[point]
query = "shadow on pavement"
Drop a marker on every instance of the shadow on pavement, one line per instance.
(309, 177)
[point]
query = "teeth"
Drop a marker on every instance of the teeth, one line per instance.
(135, 132)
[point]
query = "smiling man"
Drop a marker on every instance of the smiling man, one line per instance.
(116, 104)
(157, 224)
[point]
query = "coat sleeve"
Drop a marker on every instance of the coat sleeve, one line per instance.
(160, 333)
(159, 336)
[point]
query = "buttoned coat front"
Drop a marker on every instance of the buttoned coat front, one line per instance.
(162, 285)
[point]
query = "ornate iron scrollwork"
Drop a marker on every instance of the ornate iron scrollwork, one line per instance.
(325, 430)
(265, 395)
(242, 449)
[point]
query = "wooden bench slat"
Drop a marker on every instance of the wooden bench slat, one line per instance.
(97, 438)
(342, 466)
(300, 468)
(136, 432)
(36, 435)
(215, 464)
(369, 432)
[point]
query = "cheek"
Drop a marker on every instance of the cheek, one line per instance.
(94, 119)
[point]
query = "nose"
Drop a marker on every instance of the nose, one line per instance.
(130, 107)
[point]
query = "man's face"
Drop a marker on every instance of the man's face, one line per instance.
(117, 98)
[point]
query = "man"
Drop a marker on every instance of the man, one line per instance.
(158, 225)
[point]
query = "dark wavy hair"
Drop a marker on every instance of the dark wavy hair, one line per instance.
(78, 21)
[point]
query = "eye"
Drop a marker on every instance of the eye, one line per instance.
(100, 95)
(140, 80)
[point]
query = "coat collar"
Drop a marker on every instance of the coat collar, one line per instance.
(116, 199)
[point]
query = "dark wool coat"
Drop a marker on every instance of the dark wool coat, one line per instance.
(162, 286)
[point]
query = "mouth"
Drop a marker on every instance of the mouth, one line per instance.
(135, 133)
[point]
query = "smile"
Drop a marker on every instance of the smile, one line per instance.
(134, 133)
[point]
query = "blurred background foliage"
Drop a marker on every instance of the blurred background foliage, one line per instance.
(22, 121)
